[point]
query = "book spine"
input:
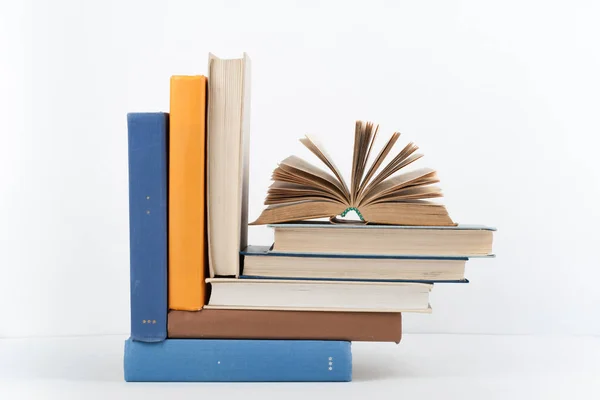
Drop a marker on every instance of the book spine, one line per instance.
(187, 248)
(206, 360)
(147, 152)
(286, 325)
(247, 88)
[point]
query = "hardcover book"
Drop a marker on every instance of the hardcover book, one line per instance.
(147, 145)
(228, 151)
(318, 295)
(187, 252)
(286, 325)
(207, 360)
(301, 191)
(260, 261)
(391, 240)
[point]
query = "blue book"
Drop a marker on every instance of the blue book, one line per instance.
(147, 140)
(222, 360)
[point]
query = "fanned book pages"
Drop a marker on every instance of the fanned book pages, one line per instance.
(301, 191)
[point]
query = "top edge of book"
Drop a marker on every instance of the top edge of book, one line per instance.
(188, 77)
(244, 57)
(306, 224)
(303, 281)
(146, 114)
(256, 250)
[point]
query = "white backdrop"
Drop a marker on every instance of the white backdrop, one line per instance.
(502, 98)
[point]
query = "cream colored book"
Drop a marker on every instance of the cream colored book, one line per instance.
(259, 261)
(392, 240)
(275, 294)
(302, 191)
(227, 162)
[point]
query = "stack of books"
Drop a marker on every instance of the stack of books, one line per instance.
(205, 306)
(366, 268)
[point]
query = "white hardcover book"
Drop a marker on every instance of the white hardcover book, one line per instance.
(228, 127)
(273, 294)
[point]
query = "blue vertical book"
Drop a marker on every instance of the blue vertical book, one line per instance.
(222, 360)
(147, 140)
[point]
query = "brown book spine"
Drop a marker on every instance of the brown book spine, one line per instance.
(290, 325)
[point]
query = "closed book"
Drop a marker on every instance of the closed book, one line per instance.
(288, 325)
(187, 251)
(147, 159)
(228, 128)
(315, 237)
(208, 360)
(260, 261)
(318, 295)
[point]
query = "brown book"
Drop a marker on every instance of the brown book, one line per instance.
(290, 325)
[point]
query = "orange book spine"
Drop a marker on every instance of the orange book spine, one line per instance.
(187, 132)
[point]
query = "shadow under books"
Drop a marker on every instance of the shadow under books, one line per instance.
(379, 366)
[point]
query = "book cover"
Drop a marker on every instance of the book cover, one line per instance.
(287, 325)
(313, 279)
(207, 360)
(319, 224)
(187, 249)
(147, 159)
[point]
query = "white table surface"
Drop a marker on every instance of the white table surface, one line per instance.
(431, 366)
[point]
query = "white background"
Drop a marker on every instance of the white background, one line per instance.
(501, 97)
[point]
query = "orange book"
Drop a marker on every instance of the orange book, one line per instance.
(187, 250)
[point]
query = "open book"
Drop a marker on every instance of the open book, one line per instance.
(301, 191)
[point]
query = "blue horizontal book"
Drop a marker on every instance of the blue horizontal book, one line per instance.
(426, 281)
(147, 145)
(207, 360)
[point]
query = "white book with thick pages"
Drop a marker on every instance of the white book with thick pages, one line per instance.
(280, 294)
(314, 237)
(260, 261)
(228, 125)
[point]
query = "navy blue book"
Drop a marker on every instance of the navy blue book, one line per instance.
(147, 141)
(223, 360)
